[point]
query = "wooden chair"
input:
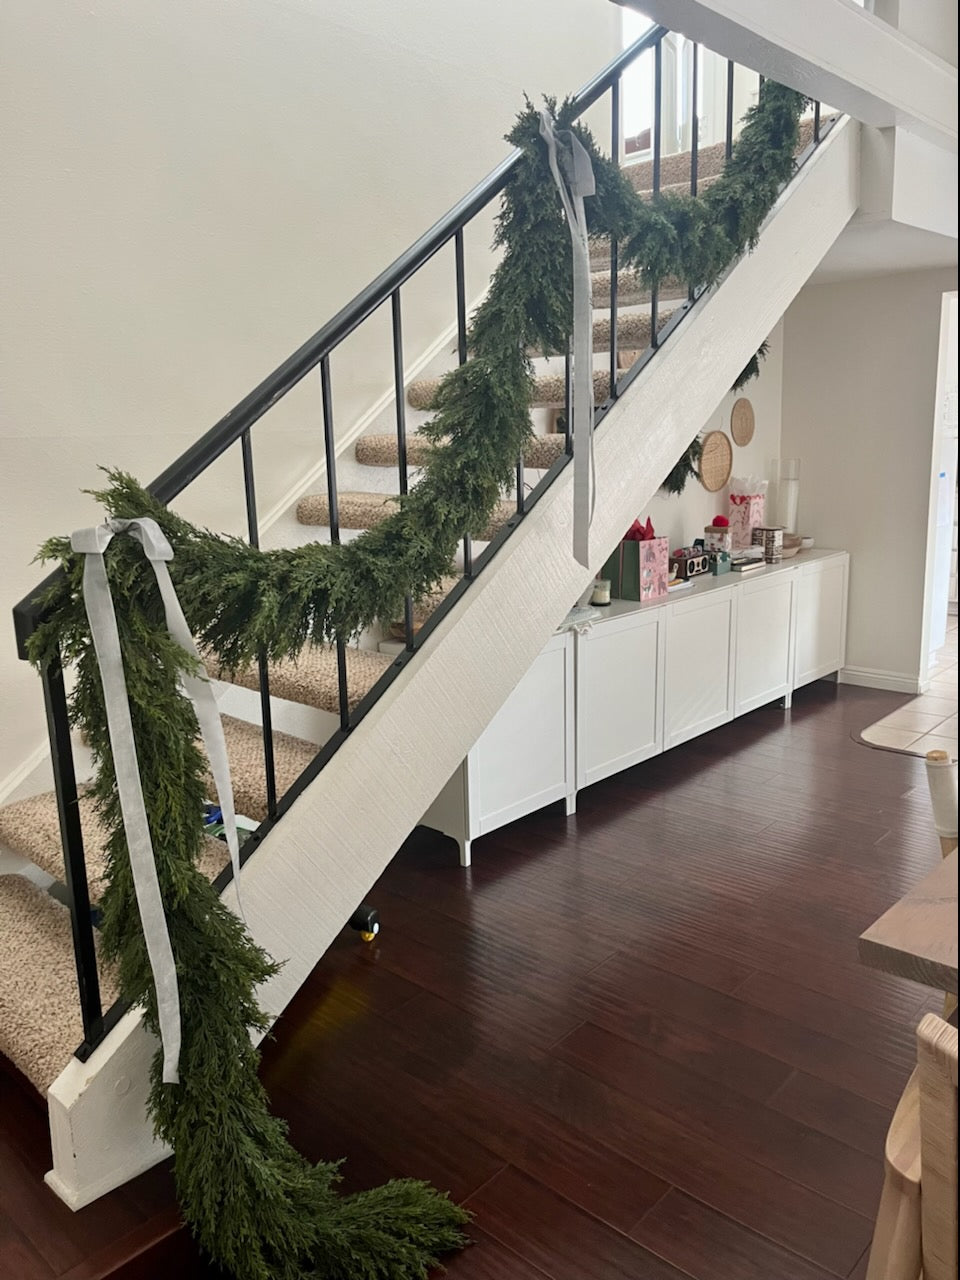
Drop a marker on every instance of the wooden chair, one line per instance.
(916, 1229)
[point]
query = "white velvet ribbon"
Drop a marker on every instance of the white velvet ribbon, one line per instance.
(573, 173)
(92, 543)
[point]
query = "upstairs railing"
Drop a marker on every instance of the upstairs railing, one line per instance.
(235, 430)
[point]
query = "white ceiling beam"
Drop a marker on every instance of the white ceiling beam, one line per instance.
(831, 50)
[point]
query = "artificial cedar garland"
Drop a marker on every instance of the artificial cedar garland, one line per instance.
(255, 1205)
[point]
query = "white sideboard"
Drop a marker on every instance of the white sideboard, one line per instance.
(644, 678)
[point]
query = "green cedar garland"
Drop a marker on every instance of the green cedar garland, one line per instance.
(751, 369)
(255, 1205)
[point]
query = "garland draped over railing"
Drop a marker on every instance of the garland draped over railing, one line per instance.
(255, 1205)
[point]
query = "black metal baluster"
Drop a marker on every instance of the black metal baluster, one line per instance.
(816, 122)
(266, 715)
(401, 436)
(568, 400)
(694, 120)
(462, 356)
(614, 247)
(657, 146)
(330, 457)
(75, 867)
(694, 135)
(521, 496)
(728, 145)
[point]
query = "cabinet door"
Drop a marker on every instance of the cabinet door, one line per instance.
(764, 649)
(698, 684)
(821, 620)
(619, 694)
(524, 758)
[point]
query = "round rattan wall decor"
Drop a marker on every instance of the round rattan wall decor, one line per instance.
(742, 421)
(716, 461)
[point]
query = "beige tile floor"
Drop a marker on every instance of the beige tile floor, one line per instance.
(929, 722)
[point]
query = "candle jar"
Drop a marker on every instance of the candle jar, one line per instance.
(601, 592)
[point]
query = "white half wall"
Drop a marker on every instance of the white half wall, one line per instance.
(191, 189)
(859, 391)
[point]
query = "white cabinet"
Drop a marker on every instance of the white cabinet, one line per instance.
(821, 613)
(699, 673)
(619, 694)
(764, 644)
(523, 760)
(645, 678)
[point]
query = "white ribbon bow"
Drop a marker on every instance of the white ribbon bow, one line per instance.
(106, 640)
(567, 152)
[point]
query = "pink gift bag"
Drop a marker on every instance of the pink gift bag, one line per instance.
(747, 510)
(654, 568)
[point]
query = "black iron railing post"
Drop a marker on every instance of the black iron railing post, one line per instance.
(614, 247)
(816, 122)
(462, 354)
(330, 459)
(728, 138)
(266, 714)
(75, 867)
(694, 135)
(657, 147)
(568, 400)
(398, 389)
(694, 118)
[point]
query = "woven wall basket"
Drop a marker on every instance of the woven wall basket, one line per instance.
(742, 421)
(716, 461)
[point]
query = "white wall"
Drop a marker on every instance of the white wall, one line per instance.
(859, 390)
(191, 189)
(681, 519)
(932, 23)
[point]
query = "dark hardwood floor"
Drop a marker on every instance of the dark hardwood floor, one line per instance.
(637, 1043)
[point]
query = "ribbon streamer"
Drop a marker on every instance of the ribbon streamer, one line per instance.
(565, 151)
(98, 602)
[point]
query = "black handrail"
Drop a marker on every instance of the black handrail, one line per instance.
(195, 460)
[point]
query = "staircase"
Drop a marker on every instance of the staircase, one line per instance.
(393, 731)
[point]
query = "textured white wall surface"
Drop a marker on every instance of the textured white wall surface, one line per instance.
(859, 390)
(191, 189)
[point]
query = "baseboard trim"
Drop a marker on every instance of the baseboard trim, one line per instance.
(17, 777)
(872, 678)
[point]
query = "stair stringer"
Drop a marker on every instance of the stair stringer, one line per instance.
(314, 867)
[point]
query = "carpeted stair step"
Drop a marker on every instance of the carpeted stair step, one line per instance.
(367, 510)
(311, 679)
(424, 608)
(381, 451)
(31, 828)
(245, 751)
(631, 291)
(633, 330)
(675, 169)
(40, 1023)
(548, 393)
